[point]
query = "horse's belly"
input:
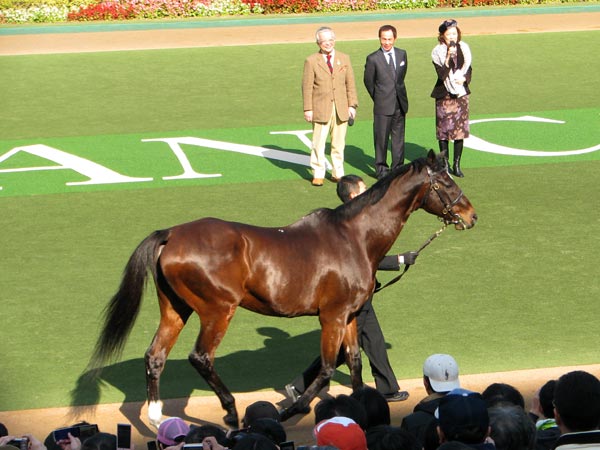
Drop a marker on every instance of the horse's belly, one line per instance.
(279, 307)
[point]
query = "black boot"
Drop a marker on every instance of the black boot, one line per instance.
(444, 152)
(458, 148)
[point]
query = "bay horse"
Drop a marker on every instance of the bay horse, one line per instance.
(322, 265)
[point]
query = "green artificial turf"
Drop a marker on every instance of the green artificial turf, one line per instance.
(90, 94)
(518, 291)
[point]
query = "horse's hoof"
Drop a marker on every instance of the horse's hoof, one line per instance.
(231, 420)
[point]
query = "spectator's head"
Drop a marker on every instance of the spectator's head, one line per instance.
(454, 445)
(511, 428)
(197, 434)
(254, 441)
(342, 433)
(375, 405)
(270, 428)
(341, 405)
(577, 402)
(259, 410)
(440, 373)
(349, 186)
(172, 431)
(100, 441)
(462, 416)
(384, 437)
(547, 399)
(502, 394)
(3, 430)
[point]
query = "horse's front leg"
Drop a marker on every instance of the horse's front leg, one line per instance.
(332, 332)
(352, 353)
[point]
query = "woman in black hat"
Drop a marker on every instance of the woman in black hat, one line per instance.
(452, 61)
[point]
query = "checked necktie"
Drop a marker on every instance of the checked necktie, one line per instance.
(329, 63)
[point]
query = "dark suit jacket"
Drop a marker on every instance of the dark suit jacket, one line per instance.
(380, 84)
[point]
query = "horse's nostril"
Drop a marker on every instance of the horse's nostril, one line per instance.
(474, 218)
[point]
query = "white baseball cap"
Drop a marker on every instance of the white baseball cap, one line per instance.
(442, 371)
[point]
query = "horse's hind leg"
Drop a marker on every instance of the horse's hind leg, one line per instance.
(171, 324)
(214, 324)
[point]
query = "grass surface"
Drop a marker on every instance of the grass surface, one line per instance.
(207, 88)
(518, 291)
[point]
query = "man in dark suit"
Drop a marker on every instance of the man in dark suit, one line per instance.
(384, 75)
(370, 335)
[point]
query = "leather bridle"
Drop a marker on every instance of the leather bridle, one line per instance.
(449, 215)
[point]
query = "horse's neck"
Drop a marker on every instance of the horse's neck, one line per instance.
(390, 214)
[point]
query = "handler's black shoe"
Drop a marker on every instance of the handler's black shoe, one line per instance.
(292, 392)
(399, 396)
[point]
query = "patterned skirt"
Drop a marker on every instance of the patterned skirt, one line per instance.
(452, 118)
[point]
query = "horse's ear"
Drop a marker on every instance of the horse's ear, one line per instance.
(431, 157)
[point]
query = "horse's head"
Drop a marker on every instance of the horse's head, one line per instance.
(445, 198)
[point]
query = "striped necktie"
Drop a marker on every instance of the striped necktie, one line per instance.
(329, 63)
(391, 60)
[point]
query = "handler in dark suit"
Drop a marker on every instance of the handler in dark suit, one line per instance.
(370, 335)
(384, 75)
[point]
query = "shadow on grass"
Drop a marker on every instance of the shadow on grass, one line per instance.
(281, 359)
(354, 156)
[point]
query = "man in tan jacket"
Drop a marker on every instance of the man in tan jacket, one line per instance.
(330, 100)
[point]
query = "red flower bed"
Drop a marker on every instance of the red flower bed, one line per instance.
(103, 11)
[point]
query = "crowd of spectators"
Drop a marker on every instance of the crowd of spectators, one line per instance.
(564, 415)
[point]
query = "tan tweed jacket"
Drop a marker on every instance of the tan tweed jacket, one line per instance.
(321, 89)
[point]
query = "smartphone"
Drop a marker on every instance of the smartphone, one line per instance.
(86, 431)
(287, 445)
(123, 436)
(152, 445)
(193, 446)
(61, 434)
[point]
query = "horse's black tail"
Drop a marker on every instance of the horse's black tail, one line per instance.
(122, 310)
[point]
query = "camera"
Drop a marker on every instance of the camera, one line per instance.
(20, 443)
(287, 445)
(82, 432)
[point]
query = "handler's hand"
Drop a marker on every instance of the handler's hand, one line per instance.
(408, 258)
(35, 443)
(308, 116)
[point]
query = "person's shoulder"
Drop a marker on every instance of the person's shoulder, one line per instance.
(374, 54)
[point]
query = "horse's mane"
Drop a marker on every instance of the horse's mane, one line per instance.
(372, 195)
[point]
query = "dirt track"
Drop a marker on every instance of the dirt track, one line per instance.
(201, 410)
(207, 409)
(228, 36)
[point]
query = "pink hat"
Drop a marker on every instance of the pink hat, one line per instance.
(172, 430)
(341, 432)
